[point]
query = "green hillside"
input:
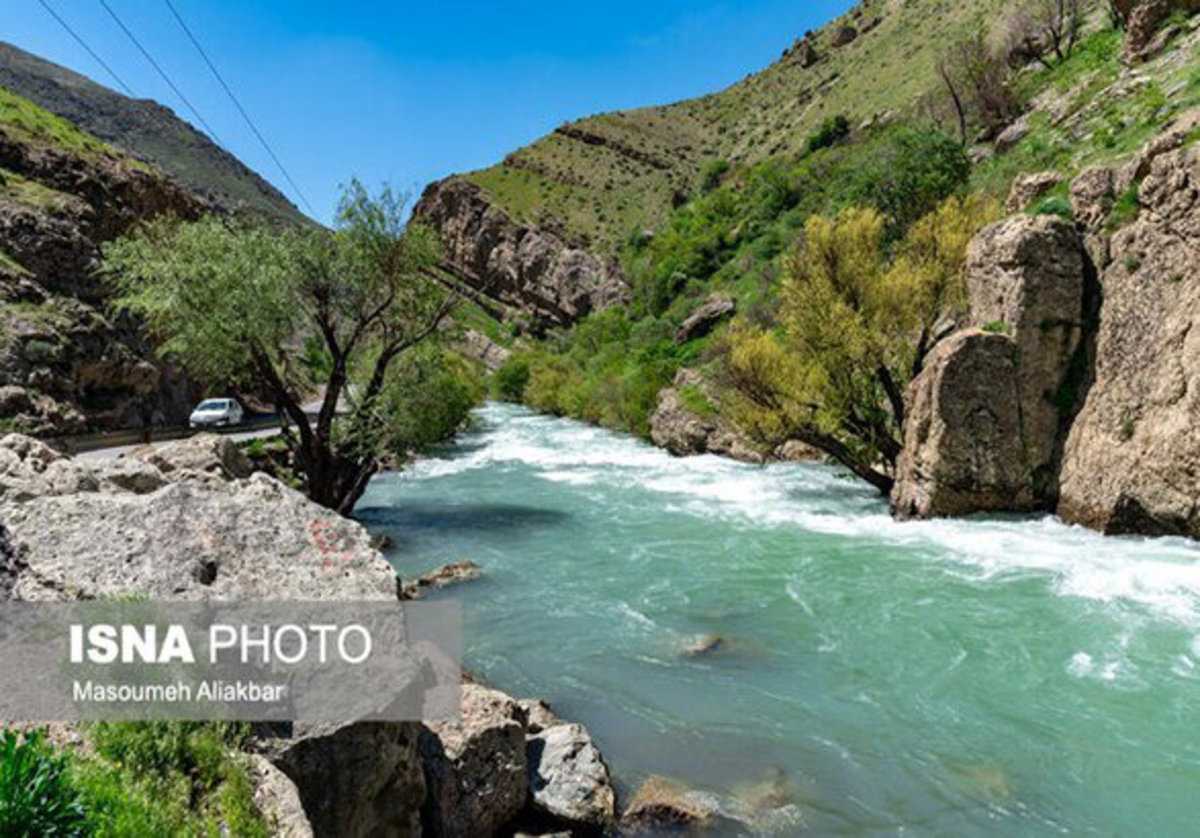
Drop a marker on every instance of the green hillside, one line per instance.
(146, 130)
(609, 175)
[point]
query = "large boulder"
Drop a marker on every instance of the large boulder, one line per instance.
(475, 767)
(70, 530)
(250, 539)
(1132, 459)
(354, 779)
(207, 452)
(962, 443)
(986, 416)
(568, 778)
(278, 800)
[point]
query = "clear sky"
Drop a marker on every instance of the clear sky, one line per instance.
(408, 92)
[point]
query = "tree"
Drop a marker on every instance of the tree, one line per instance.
(1041, 29)
(292, 312)
(978, 80)
(856, 329)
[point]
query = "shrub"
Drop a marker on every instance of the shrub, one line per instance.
(711, 174)
(510, 380)
(36, 795)
(832, 130)
(1053, 205)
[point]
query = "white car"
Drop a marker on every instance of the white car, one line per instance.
(216, 412)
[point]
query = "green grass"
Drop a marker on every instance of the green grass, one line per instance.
(29, 123)
(136, 780)
(11, 265)
(32, 194)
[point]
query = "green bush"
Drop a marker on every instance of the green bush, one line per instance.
(832, 130)
(711, 174)
(1053, 205)
(36, 794)
(510, 380)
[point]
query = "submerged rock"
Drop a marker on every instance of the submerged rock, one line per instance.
(660, 802)
(706, 645)
(450, 574)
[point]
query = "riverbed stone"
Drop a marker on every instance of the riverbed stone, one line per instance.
(661, 802)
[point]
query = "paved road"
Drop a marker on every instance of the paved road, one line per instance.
(116, 452)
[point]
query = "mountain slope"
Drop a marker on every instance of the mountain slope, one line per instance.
(604, 177)
(145, 129)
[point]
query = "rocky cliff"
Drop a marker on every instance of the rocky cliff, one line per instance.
(1084, 394)
(66, 362)
(533, 270)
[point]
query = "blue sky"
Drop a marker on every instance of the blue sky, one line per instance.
(408, 92)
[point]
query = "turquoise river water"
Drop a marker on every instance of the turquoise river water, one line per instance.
(973, 677)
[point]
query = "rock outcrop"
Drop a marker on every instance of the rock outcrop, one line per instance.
(688, 422)
(533, 270)
(1132, 459)
(1028, 188)
(986, 415)
(450, 574)
(686, 431)
(704, 319)
(66, 363)
(1143, 19)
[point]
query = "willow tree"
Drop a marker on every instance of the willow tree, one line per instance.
(294, 313)
(857, 323)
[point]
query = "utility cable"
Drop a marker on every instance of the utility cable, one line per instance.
(88, 49)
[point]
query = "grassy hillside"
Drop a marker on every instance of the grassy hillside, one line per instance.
(144, 129)
(608, 176)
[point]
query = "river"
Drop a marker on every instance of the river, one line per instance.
(992, 676)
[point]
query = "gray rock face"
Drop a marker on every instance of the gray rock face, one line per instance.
(1132, 459)
(705, 318)
(475, 767)
(250, 539)
(985, 416)
(1142, 20)
(68, 530)
(484, 350)
(568, 778)
(533, 270)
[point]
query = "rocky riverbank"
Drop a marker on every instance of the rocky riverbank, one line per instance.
(189, 521)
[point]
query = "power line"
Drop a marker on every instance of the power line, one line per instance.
(237, 104)
(90, 51)
(161, 72)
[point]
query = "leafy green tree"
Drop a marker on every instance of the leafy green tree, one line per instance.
(295, 312)
(856, 329)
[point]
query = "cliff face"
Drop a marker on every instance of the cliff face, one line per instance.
(533, 270)
(1085, 399)
(66, 363)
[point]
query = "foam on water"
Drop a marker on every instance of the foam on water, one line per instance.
(1162, 575)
